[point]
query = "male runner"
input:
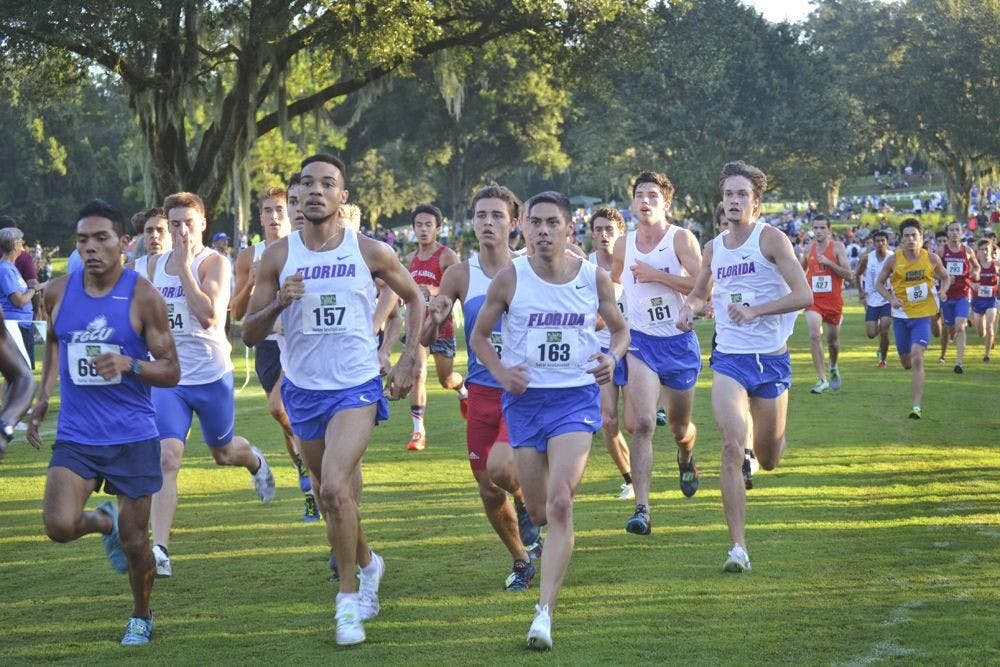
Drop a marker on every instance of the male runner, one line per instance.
(827, 267)
(550, 301)
(756, 285)
(661, 259)
(963, 267)
(323, 277)
(195, 281)
(19, 387)
(494, 208)
(427, 264)
(912, 271)
(156, 240)
(606, 226)
(984, 296)
(878, 317)
(105, 324)
(267, 361)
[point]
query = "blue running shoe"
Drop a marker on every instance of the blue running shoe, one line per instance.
(529, 531)
(520, 577)
(639, 524)
(312, 511)
(112, 541)
(305, 484)
(138, 631)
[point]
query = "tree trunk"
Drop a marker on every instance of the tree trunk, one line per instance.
(958, 179)
(833, 193)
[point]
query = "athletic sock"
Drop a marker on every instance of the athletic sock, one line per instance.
(627, 477)
(463, 393)
(371, 568)
(417, 413)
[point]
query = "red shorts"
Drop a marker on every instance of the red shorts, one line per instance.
(485, 425)
(831, 313)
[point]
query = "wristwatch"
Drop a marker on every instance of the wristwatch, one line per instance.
(135, 369)
(6, 431)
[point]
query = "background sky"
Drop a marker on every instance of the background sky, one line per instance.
(781, 10)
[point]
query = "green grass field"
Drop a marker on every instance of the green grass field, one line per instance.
(877, 539)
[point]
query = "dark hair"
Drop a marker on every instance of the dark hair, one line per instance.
(910, 222)
(7, 221)
(494, 191)
(99, 208)
(939, 234)
(984, 241)
(821, 218)
(140, 219)
(294, 179)
(881, 233)
(720, 212)
(660, 180)
(612, 214)
(757, 178)
(551, 197)
(328, 159)
(427, 208)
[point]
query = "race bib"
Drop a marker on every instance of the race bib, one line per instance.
(916, 293)
(553, 348)
(822, 284)
(80, 362)
(956, 267)
(326, 314)
(179, 317)
(658, 311)
(984, 291)
(745, 298)
(496, 338)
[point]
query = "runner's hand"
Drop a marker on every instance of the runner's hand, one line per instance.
(439, 308)
(605, 368)
(515, 379)
(38, 413)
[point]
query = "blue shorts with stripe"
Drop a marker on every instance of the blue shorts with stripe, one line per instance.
(540, 414)
(762, 375)
(310, 410)
(675, 359)
(214, 404)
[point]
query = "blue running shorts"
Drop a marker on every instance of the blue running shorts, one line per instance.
(762, 375)
(875, 313)
(910, 332)
(310, 410)
(675, 359)
(620, 374)
(543, 413)
(267, 363)
(981, 305)
(214, 404)
(131, 470)
(953, 308)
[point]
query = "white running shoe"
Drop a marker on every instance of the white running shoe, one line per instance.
(368, 590)
(263, 480)
(540, 632)
(163, 568)
(349, 628)
(738, 560)
(627, 492)
(820, 386)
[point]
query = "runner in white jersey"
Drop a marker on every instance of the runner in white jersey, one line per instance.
(656, 265)
(324, 280)
(156, 240)
(551, 358)
(606, 227)
(267, 357)
(494, 208)
(757, 286)
(878, 318)
(194, 281)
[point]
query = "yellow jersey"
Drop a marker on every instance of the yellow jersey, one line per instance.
(913, 283)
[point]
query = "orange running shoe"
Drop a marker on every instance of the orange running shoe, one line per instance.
(417, 442)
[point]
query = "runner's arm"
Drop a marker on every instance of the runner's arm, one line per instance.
(268, 298)
(244, 283)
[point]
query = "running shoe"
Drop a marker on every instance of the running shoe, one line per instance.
(915, 413)
(305, 484)
(940, 360)
(162, 558)
(263, 480)
(349, 628)
(661, 417)
(520, 577)
(690, 479)
(750, 466)
(535, 550)
(986, 358)
(112, 541)
(417, 442)
(639, 524)
(138, 631)
(312, 510)
(368, 588)
(834, 379)
(529, 531)
(463, 408)
(540, 633)
(737, 561)
(334, 572)
(958, 369)
(882, 364)
(820, 386)
(627, 492)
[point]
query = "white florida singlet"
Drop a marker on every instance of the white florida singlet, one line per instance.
(604, 335)
(550, 328)
(258, 253)
(653, 307)
(743, 275)
(329, 342)
(203, 353)
(872, 269)
(142, 266)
